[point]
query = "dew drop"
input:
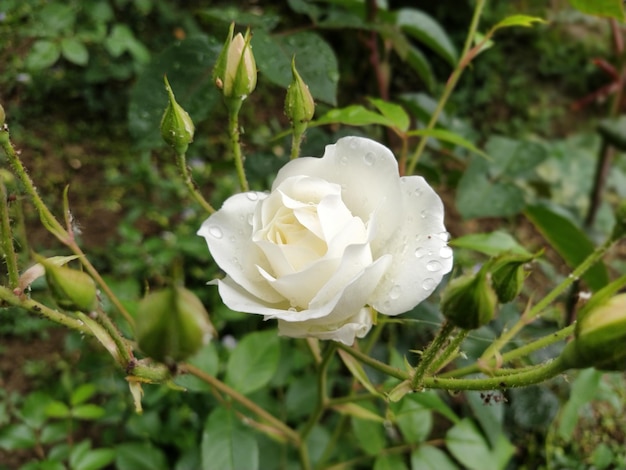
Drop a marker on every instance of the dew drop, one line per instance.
(445, 252)
(429, 284)
(232, 239)
(252, 196)
(445, 236)
(420, 252)
(395, 292)
(353, 144)
(343, 160)
(236, 263)
(215, 231)
(418, 192)
(433, 266)
(292, 309)
(369, 158)
(250, 218)
(423, 213)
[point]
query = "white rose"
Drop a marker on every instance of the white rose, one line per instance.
(335, 236)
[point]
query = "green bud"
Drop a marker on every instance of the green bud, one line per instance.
(176, 125)
(507, 275)
(619, 230)
(172, 324)
(235, 71)
(600, 338)
(71, 289)
(299, 104)
(469, 301)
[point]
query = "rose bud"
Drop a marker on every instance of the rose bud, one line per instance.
(71, 289)
(469, 301)
(507, 275)
(177, 128)
(299, 104)
(600, 338)
(335, 239)
(172, 324)
(235, 71)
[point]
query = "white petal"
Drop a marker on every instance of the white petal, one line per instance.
(229, 235)
(421, 256)
(356, 326)
(368, 175)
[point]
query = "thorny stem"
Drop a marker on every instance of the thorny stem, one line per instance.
(447, 354)
(6, 239)
(181, 160)
(41, 310)
(515, 353)
(285, 430)
(52, 224)
(123, 350)
(234, 105)
(430, 354)
(452, 81)
(540, 306)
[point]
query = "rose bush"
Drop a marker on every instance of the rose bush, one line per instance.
(336, 237)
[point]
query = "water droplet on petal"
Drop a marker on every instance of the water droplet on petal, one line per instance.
(445, 236)
(423, 214)
(215, 231)
(250, 218)
(433, 266)
(236, 263)
(252, 196)
(429, 284)
(418, 192)
(343, 160)
(353, 144)
(445, 252)
(420, 252)
(292, 309)
(395, 292)
(369, 158)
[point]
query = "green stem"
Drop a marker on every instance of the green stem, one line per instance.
(430, 354)
(447, 354)
(296, 141)
(234, 105)
(6, 239)
(181, 160)
(452, 81)
(521, 379)
(125, 354)
(540, 306)
(522, 351)
(285, 430)
(322, 398)
(142, 371)
(374, 363)
(41, 310)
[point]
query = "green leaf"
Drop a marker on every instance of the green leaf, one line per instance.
(357, 371)
(263, 20)
(83, 393)
(42, 55)
(93, 459)
(389, 462)
(610, 8)
(206, 359)
(226, 444)
(17, 436)
(449, 137)
(33, 410)
(582, 391)
(188, 66)
(469, 447)
(254, 361)
(517, 20)
(74, 51)
(57, 409)
(315, 60)
(568, 240)
(432, 401)
(56, 431)
(88, 412)
(430, 458)
(425, 29)
(414, 420)
(491, 244)
(421, 65)
(394, 112)
(139, 456)
(56, 18)
(354, 115)
(370, 435)
(352, 409)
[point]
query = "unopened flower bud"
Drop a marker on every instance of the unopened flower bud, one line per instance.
(71, 289)
(469, 301)
(600, 338)
(176, 125)
(619, 230)
(235, 71)
(299, 104)
(172, 324)
(507, 275)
